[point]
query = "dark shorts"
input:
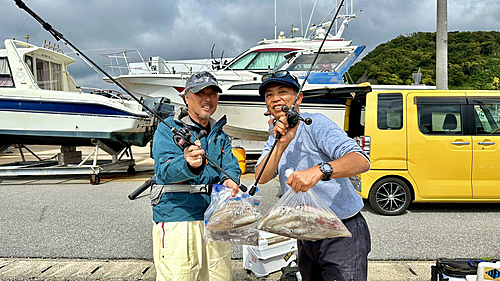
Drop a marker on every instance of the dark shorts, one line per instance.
(340, 259)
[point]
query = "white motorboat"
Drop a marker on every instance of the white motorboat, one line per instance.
(158, 77)
(41, 103)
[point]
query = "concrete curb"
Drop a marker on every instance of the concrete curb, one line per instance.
(130, 269)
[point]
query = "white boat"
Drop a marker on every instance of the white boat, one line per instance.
(241, 76)
(158, 77)
(41, 103)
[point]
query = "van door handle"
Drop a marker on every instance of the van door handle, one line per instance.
(485, 143)
(460, 142)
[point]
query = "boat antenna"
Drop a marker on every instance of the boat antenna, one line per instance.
(21, 27)
(310, 17)
(301, 27)
(292, 116)
(182, 137)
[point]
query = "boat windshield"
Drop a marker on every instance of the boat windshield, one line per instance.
(48, 75)
(259, 60)
(5, 74)
(326, 62)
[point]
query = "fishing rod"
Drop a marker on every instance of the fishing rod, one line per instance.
(292, 116)
(182, 137)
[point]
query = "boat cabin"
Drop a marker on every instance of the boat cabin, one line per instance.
(25, 65)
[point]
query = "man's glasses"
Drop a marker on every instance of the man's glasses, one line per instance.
(279, 74)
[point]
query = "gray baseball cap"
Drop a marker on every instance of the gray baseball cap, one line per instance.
(200, 81)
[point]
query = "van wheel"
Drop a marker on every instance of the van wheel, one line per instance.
(390, 196)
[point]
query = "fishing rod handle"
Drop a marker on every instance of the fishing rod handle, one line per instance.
(241, 186)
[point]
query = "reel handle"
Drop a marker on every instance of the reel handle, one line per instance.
(202, 134)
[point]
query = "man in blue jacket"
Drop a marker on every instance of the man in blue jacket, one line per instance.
(180, 252)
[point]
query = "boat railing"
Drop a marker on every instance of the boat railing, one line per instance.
(124, 61)
(112, 94)
(186, 66)
(133, 63)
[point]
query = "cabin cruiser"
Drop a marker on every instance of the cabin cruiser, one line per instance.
(157, 77)
(41, 103)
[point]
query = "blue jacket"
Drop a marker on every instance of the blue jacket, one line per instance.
(171, 168)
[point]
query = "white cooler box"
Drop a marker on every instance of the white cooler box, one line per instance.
(273, 253)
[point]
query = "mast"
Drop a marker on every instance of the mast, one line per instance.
(275, 20)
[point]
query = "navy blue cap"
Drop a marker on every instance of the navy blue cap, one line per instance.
(200, 81)
(287, 79)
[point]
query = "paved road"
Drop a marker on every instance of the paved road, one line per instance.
(69, 218)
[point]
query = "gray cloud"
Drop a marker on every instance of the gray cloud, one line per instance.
(187, 29)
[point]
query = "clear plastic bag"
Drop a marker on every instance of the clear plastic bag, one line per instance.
(232, 219)
(303, 216)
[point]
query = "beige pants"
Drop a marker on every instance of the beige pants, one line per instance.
(180, 253)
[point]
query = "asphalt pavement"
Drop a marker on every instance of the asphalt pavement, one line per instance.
(63, 228)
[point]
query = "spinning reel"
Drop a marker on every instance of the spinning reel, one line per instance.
(182, 138)
(293, 118)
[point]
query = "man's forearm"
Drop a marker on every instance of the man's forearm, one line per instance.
(349, 165)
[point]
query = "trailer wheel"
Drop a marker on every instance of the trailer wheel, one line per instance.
(390, 196)
(95, 179)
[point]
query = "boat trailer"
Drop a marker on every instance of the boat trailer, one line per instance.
(65, 164)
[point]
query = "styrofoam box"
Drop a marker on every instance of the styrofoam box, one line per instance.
(273, 253)
(488, 271)
(470, 278)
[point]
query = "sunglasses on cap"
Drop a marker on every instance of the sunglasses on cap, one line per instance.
(279, 74)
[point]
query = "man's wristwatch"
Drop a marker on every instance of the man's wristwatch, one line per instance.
(326, 169)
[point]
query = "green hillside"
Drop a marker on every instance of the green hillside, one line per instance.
(473, 60)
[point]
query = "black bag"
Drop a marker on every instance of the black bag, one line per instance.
(454, 268)
(289, 273)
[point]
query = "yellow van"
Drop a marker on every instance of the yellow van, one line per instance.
(426, 145)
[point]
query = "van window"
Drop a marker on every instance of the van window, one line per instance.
(487, 115)
(440, 119)
(390, 111)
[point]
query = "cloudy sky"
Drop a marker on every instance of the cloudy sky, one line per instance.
(187, 29)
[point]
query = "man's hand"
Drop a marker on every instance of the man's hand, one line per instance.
(231, 184)
(286, 132)
(304, 179)
(193, 155)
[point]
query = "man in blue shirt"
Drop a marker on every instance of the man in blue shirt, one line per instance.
(180, 252)
(319, 156)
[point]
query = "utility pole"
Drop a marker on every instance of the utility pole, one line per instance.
(442, 46)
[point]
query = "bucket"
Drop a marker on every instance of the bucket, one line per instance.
(239, 152)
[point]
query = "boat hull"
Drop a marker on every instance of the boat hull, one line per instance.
(247, 120)
(69, 122)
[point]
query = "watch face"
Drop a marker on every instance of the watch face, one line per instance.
(327, 168)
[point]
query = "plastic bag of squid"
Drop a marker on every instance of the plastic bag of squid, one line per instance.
(232, 219)
(303, 216)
